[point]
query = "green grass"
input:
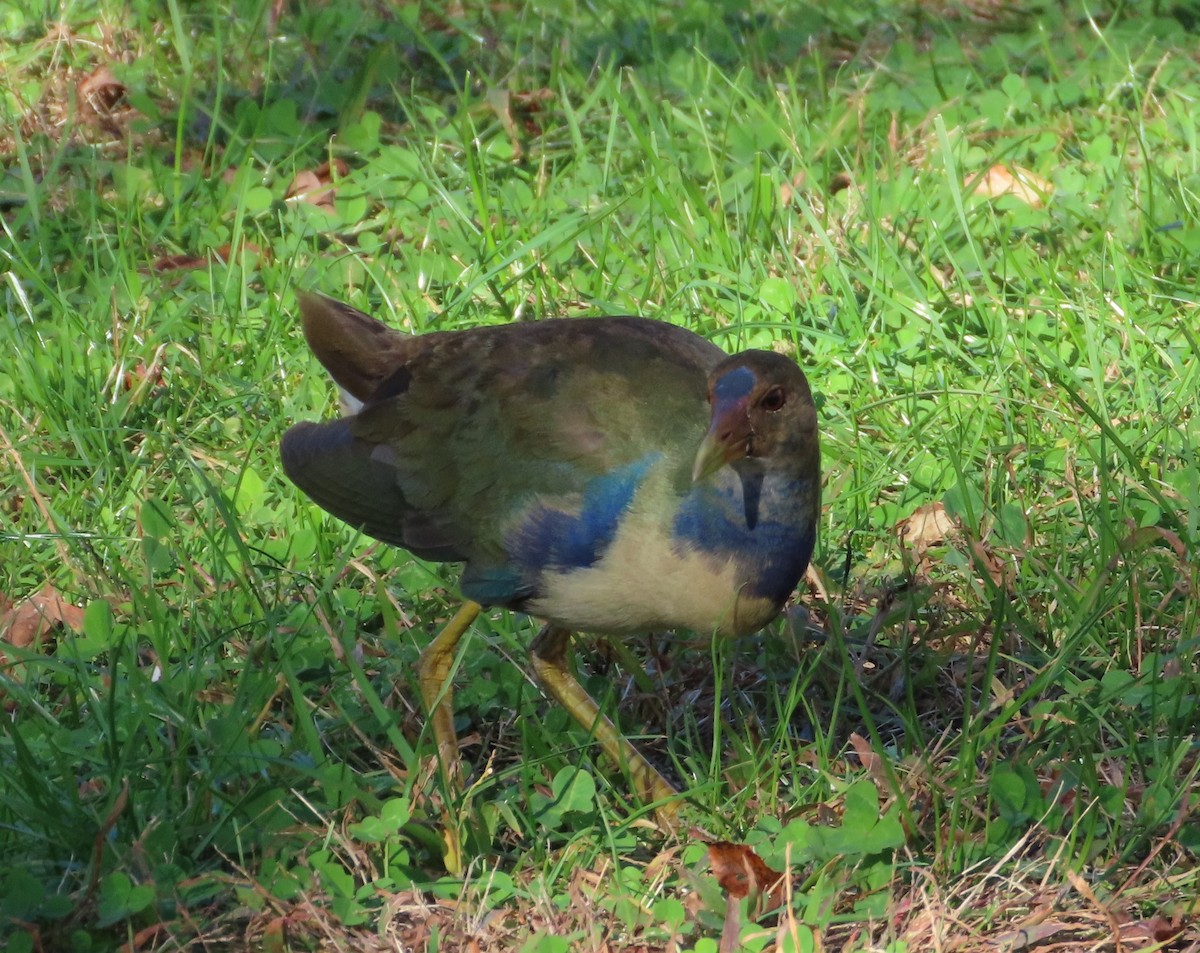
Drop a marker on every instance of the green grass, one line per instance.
(231, 749)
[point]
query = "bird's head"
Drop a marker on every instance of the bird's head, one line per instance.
(762, 408)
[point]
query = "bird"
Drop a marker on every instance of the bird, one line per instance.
(611, 475)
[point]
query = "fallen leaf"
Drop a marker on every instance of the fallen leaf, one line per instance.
(1157, 930)
(275, 935)
(316, 186)
(308, 187)
(100, 90)
(1145, 535)
(740, 871)
(223, 254)
(1033, 935)
(144, 939)
(1020, 183)
(25, 624)
(840, 182)
(527, 105)
(731, 932)
(789, 190)
(1002, 571)
(870, 760)
(927, 526)
(517, 113)
(143, 376)
(178, 263)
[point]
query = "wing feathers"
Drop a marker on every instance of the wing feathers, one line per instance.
(344, 477)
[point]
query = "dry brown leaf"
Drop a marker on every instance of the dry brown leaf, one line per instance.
(731, 932)
(870, 760)
(332, 169)
(1145, 535)
(789, 190)
(223, 254)
(1002, 571)
(145, 938)
(1084, 889)
(927, 526)
(1030, 936)
(308, 187)
(840, 182)
(1157, 930)
(316, 186)
(518, 114)
(25, 625)
(661, 863)
(274, 935)
(1013, 180)
(100, 90)
(143, 375)
(741, 872)
(527, 105)
(177, 263)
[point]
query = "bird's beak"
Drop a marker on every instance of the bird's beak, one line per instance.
(728, 439)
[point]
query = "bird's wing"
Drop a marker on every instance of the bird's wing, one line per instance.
(355, 481)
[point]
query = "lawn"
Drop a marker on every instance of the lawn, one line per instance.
(976, 226)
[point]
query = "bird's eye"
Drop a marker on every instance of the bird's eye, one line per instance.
(773, 400)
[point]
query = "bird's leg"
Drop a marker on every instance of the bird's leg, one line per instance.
(549, 653)
(433, 675)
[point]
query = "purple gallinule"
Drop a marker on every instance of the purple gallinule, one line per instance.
(612, 475)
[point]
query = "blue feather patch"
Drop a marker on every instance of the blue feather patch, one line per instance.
(724, 521)
(494, 585)
(733, 385)
(550, 538)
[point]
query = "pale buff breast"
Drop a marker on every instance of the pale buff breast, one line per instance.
(660, 586)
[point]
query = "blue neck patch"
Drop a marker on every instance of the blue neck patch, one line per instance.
(767, 528)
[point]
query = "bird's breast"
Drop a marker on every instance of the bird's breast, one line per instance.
(651, 575)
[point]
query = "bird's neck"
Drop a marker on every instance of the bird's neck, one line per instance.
(762, 519)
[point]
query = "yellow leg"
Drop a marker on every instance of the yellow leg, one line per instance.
(433, 675)
(549, 656)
